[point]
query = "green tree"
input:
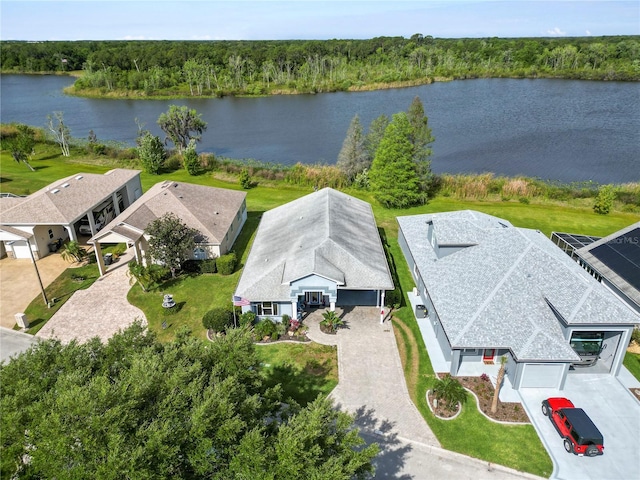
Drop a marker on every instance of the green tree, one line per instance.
(496, 391)
(180, 125)
(151, 152)
(604, 200)
(217, 319)
(171, 241)
(21, 144)
(59, 131)
(375, 134)
(138, 408)
(353, 158)
(191, 159)
(73, 252)
(245, 179)
(421, 138)
(394, 176)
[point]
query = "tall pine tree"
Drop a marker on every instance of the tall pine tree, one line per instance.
(394, 174)
(353, 158)
(421, 138)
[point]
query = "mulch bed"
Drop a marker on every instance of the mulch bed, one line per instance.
(327, 330)
(285, 338)
(507, 411)
(636, 392)
(441, 410)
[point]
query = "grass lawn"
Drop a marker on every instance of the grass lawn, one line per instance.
(632, 362)
(305, 370)
(61, 289)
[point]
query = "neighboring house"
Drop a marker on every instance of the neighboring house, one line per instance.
(33, 225)
(491, 289)
(614, 260)
(321, 250)
(217, 213)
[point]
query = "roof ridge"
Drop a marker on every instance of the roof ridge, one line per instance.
(492, 294)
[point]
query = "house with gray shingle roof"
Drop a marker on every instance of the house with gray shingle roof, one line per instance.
(491, 290)
(320, 250)
(32, 224)
(218, 215)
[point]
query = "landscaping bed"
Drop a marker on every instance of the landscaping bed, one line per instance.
(440, 409)
(506, 412)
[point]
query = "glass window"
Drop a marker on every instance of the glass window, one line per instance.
(50, 233)
(267, 308)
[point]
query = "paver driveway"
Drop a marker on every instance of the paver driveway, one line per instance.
(99, 311)
(372, 386)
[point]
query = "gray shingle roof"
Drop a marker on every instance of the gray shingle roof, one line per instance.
(209, 210)
(496, 293)
(66, 200)
(328, 233)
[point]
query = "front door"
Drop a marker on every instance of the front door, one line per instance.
(313, 298)
(488, 355)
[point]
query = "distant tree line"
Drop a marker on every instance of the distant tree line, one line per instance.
(208, 68)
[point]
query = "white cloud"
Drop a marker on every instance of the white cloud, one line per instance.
(556, 32)
(136, 37)
(588, 33)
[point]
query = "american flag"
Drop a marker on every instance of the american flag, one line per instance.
(239, 301)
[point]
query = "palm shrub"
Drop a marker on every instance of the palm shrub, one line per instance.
(331, 321)
(247, 318)
(449, 391)
(217, 319)
(73, 252)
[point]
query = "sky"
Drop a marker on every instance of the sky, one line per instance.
(311, 19)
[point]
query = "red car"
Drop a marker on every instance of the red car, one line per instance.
(581, 436)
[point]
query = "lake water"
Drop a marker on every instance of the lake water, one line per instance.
(553, 129)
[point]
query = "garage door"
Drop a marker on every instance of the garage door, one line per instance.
(542, 375)
(21, 250)
(357, 297)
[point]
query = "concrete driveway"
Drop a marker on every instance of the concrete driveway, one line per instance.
(99, 311)
(19, 283)
(615, 412)
(373, 388)
(13, 343)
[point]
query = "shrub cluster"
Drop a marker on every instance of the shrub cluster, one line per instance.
(217, 319)
(226, 264)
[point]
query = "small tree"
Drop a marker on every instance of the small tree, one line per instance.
(226, 264)
(73, 252)
(245, 179)
(375, 134)
(181, 124)
(151, 152)
(604, 200)
(265, 328)
(191, 159)
(247, 318)
(449, 391)
(171, 241)
(60, 131)
(217, 319)
(421, 138)
(21, 144)
(496, 392)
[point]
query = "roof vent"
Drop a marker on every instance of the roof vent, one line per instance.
(79, 177)
(55, 190)
(216, 213)
(65, 185)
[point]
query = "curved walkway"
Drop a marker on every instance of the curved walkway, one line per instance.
(372, 387)
(99, 311)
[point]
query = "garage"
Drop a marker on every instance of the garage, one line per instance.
(20, 249)
(367, 298)
(542, 375)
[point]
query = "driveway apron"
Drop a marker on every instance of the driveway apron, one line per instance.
(99, 311)
(615, 412)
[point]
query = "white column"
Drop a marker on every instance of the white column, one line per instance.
(381, 298)
(98, 251)
(332, 306)
(72, 233)
(294, 309)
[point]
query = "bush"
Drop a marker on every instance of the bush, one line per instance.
(245, 179)
(331, 321)
(265, 328)
(604, 200)
(217, 319)
(226, 264)
(393, 298)
(208, 265)
(635, 335)
(247, 318)
(286, 321)
(192, 266)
